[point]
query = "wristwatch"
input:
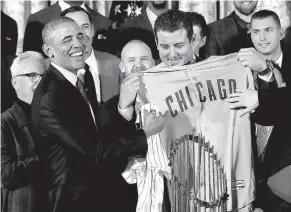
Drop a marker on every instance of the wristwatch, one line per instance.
(270, 68)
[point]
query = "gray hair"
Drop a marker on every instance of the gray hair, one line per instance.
(17, 65)
(49, 28)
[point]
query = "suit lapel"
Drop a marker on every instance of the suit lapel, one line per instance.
(146, 21)
(55, 11)
(68, 94)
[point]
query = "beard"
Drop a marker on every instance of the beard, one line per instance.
(159, 5)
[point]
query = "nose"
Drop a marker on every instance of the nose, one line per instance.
(262, 36)
(77, 43)
(173, 52)
(138, 63)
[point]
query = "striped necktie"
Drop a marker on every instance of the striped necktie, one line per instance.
(81, 89)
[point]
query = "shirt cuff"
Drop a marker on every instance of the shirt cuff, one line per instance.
(127, 113)
(266, 77)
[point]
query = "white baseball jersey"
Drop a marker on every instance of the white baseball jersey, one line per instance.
(194, 95)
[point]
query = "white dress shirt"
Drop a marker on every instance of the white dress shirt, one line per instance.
(268, 77)
(72, 78)
(152, 17)
(65, 5)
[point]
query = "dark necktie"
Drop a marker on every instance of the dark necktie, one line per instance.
(90, 89)
(80, 86)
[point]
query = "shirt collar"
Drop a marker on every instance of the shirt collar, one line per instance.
(279, 60)
(72, 78)
(91, 60)
(65, 5)
(152, 17)
(245, 18)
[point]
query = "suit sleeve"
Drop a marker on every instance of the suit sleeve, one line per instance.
(274, 106)
(125, 135)
(15, 173)
(211, 46)
(80, 138)
(83, 138)
(33, 35)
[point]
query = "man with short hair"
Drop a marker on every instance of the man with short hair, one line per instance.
(173, 33)
(36, 22)
(102, 65)
(74, 147)
(20, 170)
(266, 62)
(136, 54)
(200, 32)
(230, 34)
(266, 34)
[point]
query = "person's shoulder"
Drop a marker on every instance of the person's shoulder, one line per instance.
(96, 15)
(106, 56)
(222, 23)
(46, 14)
(7, 19)
(7, 115)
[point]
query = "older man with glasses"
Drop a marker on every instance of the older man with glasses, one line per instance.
(19, 161)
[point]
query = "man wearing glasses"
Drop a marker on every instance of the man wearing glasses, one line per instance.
(19, 161)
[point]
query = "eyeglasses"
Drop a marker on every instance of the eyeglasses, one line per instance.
(33, 77)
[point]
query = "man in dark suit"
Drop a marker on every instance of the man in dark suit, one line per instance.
(32, 36)
(103, 65)
(141, 27)
(230, 34)
(272, 107)
(9, 35)
(73, 146)
(104, 68)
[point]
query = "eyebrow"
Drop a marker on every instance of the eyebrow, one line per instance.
(66, 37)
(271, 27)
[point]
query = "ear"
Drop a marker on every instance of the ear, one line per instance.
(93, 30)
(203, 41)
(14, 83)
(46, 48)
(282, 33)
(121, 67)
(192, 42)
(153, 62)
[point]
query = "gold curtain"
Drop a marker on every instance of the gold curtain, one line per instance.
(19, 10)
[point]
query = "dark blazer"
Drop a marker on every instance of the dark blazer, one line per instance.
(227, 35)
(72, 149)
(36, 22)
(8, 95)
(19, 163)
(139, 28)
(109, 74)
(9, 35)
(274, 110)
